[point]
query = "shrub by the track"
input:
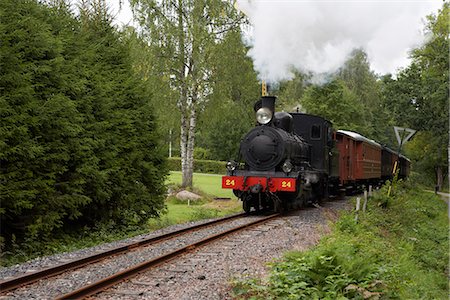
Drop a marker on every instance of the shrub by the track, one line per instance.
(397, 252)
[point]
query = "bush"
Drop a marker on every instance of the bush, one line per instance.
(398, 252)
(200, 166)
(202, 153)
(204, 213)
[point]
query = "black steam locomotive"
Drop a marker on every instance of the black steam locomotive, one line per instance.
(286, 160)
(294, 159)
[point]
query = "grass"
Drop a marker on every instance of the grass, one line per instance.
(397, 250)
(207, 185)
(181, 212)
(211, 187)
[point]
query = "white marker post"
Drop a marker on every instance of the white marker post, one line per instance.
(365, 201)
(358, 205)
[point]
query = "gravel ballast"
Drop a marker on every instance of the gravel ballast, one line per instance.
(206, 273)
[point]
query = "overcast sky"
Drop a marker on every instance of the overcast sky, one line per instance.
(318, 35)
(123, 15)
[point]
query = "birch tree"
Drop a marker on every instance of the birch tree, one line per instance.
(182, 35)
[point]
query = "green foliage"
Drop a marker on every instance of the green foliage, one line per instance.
(360, 79)
(209, 166)
(229, 113)
(175, 200)
(182, 37)
(201, 213)
(337, 103)
(76, 125)
(200, 166)
(427, 152)
(395, 253)
(222, 134)
(146, 65)
(334, 270)
(202, 153)
(419, 97)
(233, 89)
(351, 98)
(174, 212)
(290, 92)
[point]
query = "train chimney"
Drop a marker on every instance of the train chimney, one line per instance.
(269, 102)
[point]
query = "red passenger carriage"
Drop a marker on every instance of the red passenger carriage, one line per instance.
(359, 159)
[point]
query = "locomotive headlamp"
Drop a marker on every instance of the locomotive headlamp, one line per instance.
(263, 115)
(231, 166)
(287, 166)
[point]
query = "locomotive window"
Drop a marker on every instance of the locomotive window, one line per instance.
(315, 132)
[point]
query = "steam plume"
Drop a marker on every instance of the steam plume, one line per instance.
(317, 36)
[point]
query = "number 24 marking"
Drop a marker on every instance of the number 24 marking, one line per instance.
(285, 184)
(229, 182)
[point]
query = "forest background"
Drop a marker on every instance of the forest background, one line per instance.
(88, 110)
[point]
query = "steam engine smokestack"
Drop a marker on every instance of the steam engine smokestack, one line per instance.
(269, 102)
(265, 101)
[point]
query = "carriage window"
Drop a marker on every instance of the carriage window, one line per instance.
(315, 132)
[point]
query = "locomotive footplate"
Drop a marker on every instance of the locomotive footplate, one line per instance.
(256, 183)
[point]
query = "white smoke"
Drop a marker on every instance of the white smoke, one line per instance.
(317, 36)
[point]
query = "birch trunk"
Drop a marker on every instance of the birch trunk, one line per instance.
(186, 178)
(190, 148)
(187, 147)
(183, 148)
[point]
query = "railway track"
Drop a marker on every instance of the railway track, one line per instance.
(201, 234)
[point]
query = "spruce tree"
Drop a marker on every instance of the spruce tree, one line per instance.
(78, 142)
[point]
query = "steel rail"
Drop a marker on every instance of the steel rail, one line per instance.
(8, 285)
(105, 283)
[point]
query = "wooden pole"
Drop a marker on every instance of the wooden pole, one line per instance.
(365, 201)
(358, 205)
(393, 175)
